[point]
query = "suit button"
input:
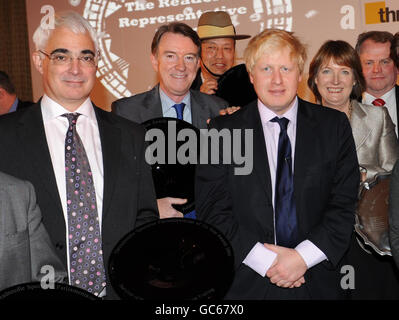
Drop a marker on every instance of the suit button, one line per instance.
(59, 245)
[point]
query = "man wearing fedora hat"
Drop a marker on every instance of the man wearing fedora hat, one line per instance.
(218, 37)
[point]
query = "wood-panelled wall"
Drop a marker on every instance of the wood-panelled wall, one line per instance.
(14, 46)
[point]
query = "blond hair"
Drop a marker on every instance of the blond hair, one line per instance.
(274, 39)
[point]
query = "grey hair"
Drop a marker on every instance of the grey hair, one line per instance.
(68, 19)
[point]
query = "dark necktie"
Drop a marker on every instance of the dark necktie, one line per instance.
(378, 102)
(284, 202)
(179, 110)
(85, 245)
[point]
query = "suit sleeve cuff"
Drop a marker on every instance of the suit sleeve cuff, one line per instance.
(311, 254)
(260, 259)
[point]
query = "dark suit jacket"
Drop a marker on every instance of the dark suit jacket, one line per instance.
(197, 83)
(24, 104)
(129, 196)
(147, 105)
(393, 202)
(326, 179)
(394, 213)
(25, 246)
(234, 86)
(397, 102)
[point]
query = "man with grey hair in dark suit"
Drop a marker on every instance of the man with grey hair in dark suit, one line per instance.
(25, 247)
(175, 53)
(87, 165)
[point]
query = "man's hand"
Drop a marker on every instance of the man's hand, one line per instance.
(229, 110)
(209, 86)
(166, 210)
(298, 283)
(288, 268)
(363, 174)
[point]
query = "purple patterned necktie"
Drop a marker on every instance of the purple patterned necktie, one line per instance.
(85, 245)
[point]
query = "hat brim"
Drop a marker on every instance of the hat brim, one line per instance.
(235, 37)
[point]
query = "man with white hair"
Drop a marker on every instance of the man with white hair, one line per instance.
(87, 165)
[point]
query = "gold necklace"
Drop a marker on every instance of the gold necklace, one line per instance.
(350, 110)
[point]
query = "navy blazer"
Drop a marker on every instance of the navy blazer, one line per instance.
(326, 179)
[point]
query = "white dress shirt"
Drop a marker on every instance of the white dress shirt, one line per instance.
(390, 103)
(56, 127)
(260, 258)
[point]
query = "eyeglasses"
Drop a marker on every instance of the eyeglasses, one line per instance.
(62, 59)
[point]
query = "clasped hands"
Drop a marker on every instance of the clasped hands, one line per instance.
(288, 268)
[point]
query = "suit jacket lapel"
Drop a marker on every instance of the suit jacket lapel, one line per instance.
(111, 148)
(358, 120)
(261, 164)
(397, 102)
(198, 112)
(305, 134)
(304, 137)
(33, 139)
(152, 106)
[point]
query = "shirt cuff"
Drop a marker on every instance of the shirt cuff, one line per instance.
(260, 259)
(310, 253)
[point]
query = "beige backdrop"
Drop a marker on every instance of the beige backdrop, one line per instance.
(128, 28)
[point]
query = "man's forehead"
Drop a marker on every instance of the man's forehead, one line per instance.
(370, 45)
(219, 41)
(173, 42)
(278, 53)
(175, 39)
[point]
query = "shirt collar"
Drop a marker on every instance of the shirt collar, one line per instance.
(14, 106)
(368, 98)
(52, 109)
(202, 77)
(167, 102)
(266, 114)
